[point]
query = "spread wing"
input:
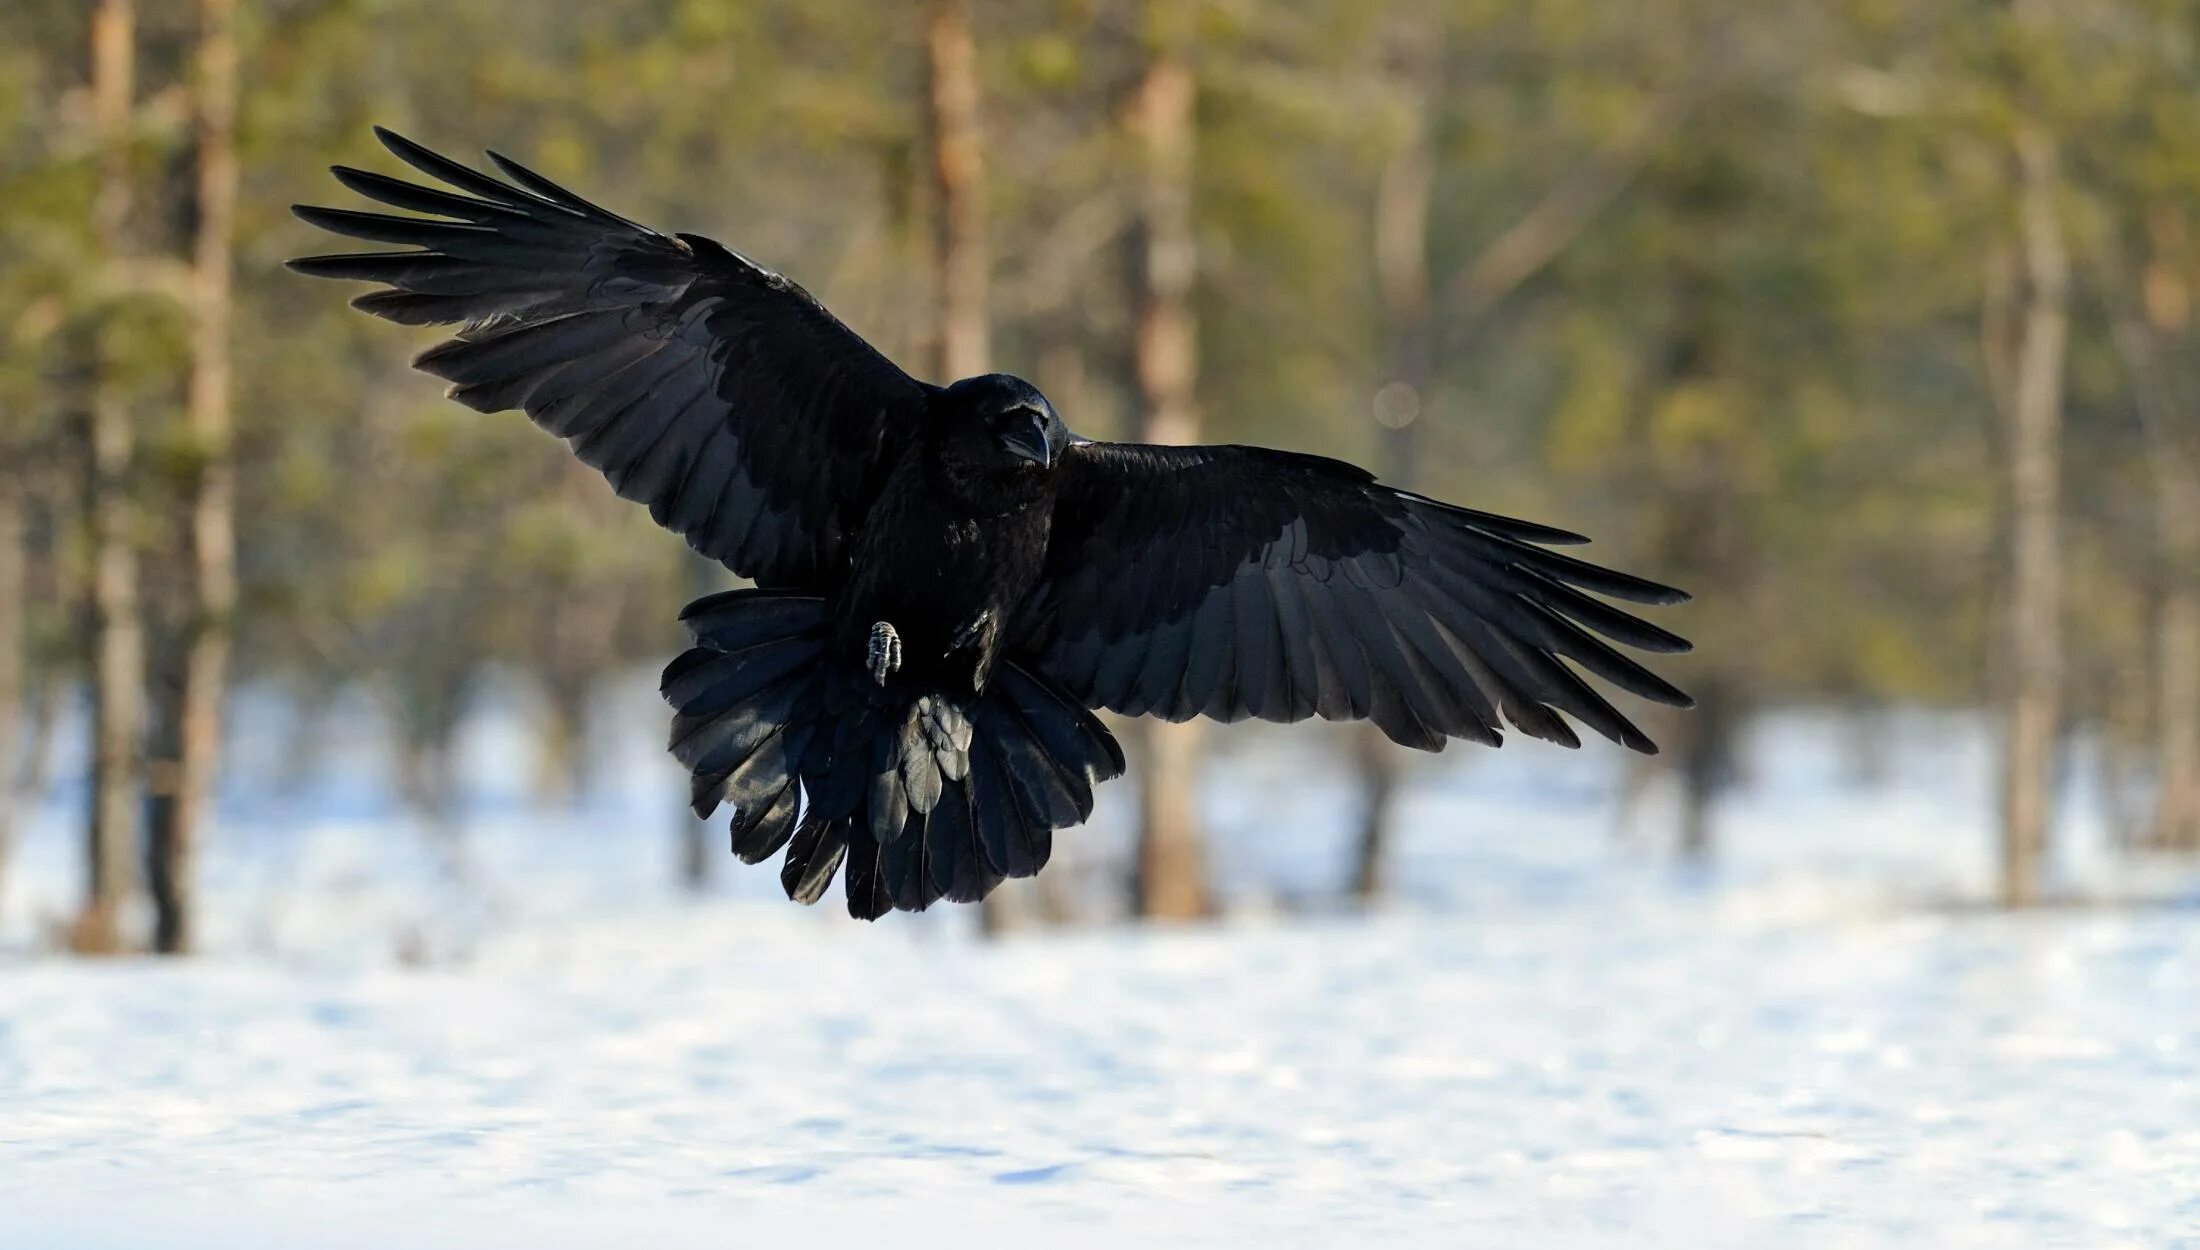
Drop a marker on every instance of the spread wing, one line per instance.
(711, 389)
(1238, 581)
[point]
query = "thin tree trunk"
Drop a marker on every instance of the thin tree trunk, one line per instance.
(1508, 260)
(695, 857)
(2124, 759)
(2163, 316)
(2176, 824)
(573, 644)
(1379, 767)
(958, 173)
(13, 582)
(697, 863)
(2035, 658)
(1053, 897)
(563, 772)
(428, 777)
(118, 641)
(46, 691)
(963, 334)
(176, 826)
(1403, 197)
(1705, 758)
(1702, 540)
(1706, 543)
(1171, 871)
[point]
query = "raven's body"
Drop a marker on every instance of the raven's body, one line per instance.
(948, 582)
(976, 530)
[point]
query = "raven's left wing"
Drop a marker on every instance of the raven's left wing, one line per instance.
(708, 387)
(1238, 581)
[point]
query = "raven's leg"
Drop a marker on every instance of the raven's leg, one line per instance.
(968, 635)
(883, 656)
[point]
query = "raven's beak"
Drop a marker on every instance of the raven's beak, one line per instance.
(1028, 439)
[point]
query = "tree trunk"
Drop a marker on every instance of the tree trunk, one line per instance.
(958, 174)
(571, 650)
(2034, 625)
(562, 773)
(697, 864)
(1706, 542)
(177, 816)
(13, 562)
(2164, 315)
(1702, 540)
(1508, 260)
(1053, 897)
(44, 694)
(1402, 200)
(1170, 879)
(1704, 756)
(428, 777)
(118, 641)
(962, 335)
(1379, 767)
(695, 858)
(2176, 824)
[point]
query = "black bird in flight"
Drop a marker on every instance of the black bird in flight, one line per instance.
(947, 581)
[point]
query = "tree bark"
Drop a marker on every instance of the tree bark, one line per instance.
(1508, 260)
(1705, 759)
(2176, 823)
(1170, 875)
(563, 775)
(1053, 898)
(13, 582)
(185, 798)
(1379, 768)
(1403, 197)
(570, 654)
(1706, 542)
(2164, 314)
(118, 640)
(963, 331)
(958, 173)
(2034, 624)
(697, 864)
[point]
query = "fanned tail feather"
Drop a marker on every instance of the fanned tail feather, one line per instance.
(911, 796)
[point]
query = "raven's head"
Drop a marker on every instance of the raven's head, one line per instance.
(1003, 422)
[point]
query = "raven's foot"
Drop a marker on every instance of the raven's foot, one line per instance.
(884, 654)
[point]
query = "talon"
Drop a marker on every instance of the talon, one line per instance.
(970, 632)
(884, 654)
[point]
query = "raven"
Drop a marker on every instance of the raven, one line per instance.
(947, 582)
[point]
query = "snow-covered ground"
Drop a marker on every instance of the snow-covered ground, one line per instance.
(1554, 1037)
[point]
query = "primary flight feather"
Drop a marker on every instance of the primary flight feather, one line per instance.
(948, 581)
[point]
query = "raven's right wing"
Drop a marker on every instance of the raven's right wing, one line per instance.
(1238, 581)
(715, 391)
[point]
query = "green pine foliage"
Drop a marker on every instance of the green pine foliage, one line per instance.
(1754, 369)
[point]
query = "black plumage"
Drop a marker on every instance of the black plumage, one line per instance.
(947, 581)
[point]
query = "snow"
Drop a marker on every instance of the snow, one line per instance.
(1554, 1037)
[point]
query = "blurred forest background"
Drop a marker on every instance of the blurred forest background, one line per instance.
(1869, 321)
